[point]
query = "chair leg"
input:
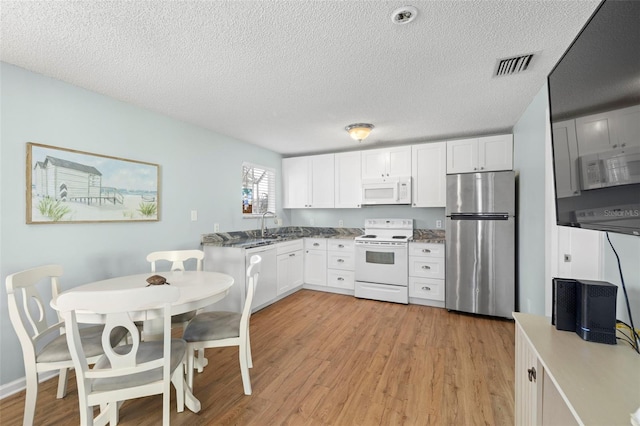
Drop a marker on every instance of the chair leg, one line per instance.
(249, 359)
(178, 380)
(62, 383)
(190, 357)
(31, 396)
(244, 369)
(200, 360)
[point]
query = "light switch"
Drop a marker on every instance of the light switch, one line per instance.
(194, 215)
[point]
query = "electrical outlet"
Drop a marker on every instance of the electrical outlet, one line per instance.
(194, 215)
(278, 221)
(216, 227)
(340, 223)
(438, 224)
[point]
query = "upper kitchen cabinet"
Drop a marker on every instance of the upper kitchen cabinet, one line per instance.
(484, 154)
(308, 182)
(565, 154)
(348, 182)
(608, 130)
(386, 162)
(429, 174)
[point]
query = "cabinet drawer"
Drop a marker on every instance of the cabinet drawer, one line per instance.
(289, 246)
(426, 288)
(340, 279)
(340, 245)
(426, 267)
(426, 250)
(315, 244)
(338, 260)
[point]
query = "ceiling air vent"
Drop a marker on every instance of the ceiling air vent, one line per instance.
(510, 66)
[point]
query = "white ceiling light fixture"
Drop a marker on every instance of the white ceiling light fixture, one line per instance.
(359, 131)
(404, 15)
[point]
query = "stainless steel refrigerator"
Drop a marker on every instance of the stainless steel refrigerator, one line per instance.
(480, 243)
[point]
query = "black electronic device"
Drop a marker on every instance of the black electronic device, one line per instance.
(596, 311)
(564, 304)
(594, 98)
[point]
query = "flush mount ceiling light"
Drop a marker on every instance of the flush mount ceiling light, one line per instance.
(359, 131)
(404, 15)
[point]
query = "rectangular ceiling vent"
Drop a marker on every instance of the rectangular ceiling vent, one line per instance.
(510, 66)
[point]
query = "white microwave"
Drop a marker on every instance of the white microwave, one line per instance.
(611, 168)
(391, 190)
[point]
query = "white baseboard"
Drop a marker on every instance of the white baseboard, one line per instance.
(21, 383)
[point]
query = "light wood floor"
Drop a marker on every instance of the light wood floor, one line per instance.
(326, 359)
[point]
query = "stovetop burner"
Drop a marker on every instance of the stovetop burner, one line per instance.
(387, 230)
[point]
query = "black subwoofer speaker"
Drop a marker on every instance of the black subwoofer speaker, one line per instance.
(564, 304)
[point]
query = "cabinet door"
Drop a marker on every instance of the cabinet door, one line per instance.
(295, 172)
(462, 156)
(399, 161)
(526, 391)
(322, 181)
(429, 174)
(593, 133)
(374, 163)
(315, 267)
(626, 127)
(290, 271)
(565, 154)
(348, 182)
(495, 153)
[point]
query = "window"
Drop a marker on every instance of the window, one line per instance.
(258, 189)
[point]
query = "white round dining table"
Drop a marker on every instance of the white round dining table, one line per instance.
(198, 289)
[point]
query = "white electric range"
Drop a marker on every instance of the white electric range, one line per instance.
(382, 260)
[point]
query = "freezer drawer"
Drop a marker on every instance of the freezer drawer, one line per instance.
(480, 267)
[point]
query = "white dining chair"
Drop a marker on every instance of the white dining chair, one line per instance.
(44, 346)
(177, 259)
(127, 371)
(221, 329)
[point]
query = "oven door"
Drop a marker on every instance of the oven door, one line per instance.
(382, 263)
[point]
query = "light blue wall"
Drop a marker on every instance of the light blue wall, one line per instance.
(200, 170)
(354, 218)
(529, 137)
(628, 248)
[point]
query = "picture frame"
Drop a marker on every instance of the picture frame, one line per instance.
(71, 186)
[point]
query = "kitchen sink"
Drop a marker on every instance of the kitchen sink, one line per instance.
(255, 242)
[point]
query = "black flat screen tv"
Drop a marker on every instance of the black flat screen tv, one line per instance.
(594, 104)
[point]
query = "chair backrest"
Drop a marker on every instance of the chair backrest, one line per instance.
(27, 311)
(116, 306)
(253, 273)
(177, 257)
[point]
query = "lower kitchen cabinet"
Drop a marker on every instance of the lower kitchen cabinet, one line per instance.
(315, 261)
(561, 379)
(341, 264)
(426, 274)
(290, 260)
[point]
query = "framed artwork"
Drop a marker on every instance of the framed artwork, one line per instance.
(69, 186)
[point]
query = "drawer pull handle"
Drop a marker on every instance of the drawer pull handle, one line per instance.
(426, 251)
(425, 288)
(340, 260)
(426, 267)
(316, 244)
(532, 374)
(340, 279)
(340, 245)
(292, 255)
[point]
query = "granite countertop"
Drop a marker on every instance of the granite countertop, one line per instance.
(253, 238)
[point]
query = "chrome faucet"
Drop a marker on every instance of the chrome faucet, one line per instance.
(262, 228)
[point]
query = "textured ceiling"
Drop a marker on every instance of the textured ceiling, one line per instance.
(290, 75)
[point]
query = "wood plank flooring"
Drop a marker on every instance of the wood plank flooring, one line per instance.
(327, 359)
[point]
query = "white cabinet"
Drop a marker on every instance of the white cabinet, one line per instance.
(426, 274)
(315, 261)
(429, 174)
(308, 182)
(484, 154)
(386, 162)
(341, 264)
(290, 265)
(608, 130)
(565, 154)
(348, 181)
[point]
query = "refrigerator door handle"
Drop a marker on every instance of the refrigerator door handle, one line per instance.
(479, 216)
